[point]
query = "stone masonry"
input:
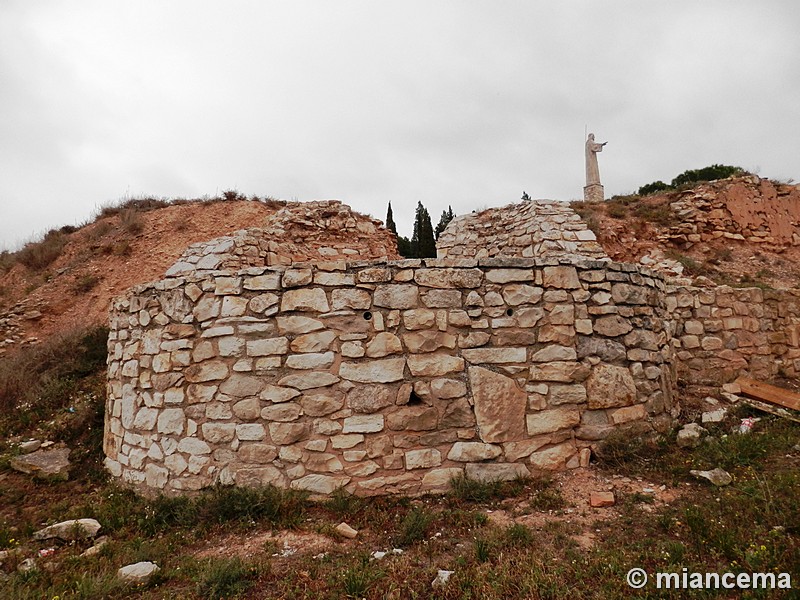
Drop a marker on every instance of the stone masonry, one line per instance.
(539, 228)
(384, 377)
(301, 231)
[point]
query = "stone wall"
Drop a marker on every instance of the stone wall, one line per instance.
(323, 230)
(382, 378)
(537, 229)
(747, 208)
(722, 332)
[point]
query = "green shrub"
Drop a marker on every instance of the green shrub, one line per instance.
(131, 220)
(471, 490)
(37, 255)
(226, 578)
(616, 211)
(415, 526)
(652, 188)
(42, 378)
(710, 173)
(85, 283)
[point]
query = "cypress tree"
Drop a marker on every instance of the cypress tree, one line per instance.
(390, 220)
(444, 220)
(422, 241)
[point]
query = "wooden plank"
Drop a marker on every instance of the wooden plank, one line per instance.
(769, 408)
(769, 393)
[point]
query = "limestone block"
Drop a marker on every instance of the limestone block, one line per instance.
(259, 477)
(353, 350)
(295, 324)
(145, 419)
(612, 325)
(567, 372)
(566, 394)
(334, 279)
(263, 302)
(438, 480)
(251, 432)
(323, 462)
(313, 342)
(210, 370)
(369, 398)
(554, 353)
(311, 380)
(227, 286)
(421, 318)
(516, 294)
(553, 458)
(610, 386)
(208, 308)
(422, 459)
(312, 360)
(430, 341)
(625, 293)
(562, 277)
(473, 339)
(264, 347)
(434, 364)
(550, 421)
(171, 420)
(155, 476)
(448, 388)
(296, 277)
(276, 394)
(458, 413)
(174, 395)
(350, 298)
(609, 351)
(240, 385)
(459, 318)
(376, 371)
(396, 296)
(319, 405)
(473, 451)
(288, 411)
(202, 350)
(442, 298)
(448, 278)
(499, 405)
(319, 484)
(316, 445)
(515, 450)
(176, 463)
(248, 409)
(284, 434)
(217, 433)
(363, 424)
(230, 346)
(346, 441)
(509, 275)
(193, 446)
(233, 306)
(627, 414)
(305, 299)
(488, 472)
(494, 355)
(529, 317)
(267, 281)
(414, 418)
(374, 275)
(384, 344)
(257, 453)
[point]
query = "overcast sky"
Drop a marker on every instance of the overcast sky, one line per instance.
(464, 103)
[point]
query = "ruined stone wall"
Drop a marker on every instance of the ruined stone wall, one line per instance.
(722, 332)
(323, 230)
(538, 228)
(747, 208)
(382, 378)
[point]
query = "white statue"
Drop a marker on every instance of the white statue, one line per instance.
(593, 192)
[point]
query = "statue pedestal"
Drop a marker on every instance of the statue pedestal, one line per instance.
(593, 193)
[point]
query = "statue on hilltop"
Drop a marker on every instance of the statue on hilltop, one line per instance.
(593, 191)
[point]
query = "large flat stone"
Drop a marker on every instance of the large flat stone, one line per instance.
(499, 406)
(375, 371)
(549, 421)
(488, 472)
(434, 365)
(610, 386)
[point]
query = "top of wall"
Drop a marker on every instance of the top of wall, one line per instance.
(324, 230)
(539, 228)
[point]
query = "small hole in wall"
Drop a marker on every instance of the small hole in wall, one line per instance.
(510, 312)
(413, 399)
(367, 315)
